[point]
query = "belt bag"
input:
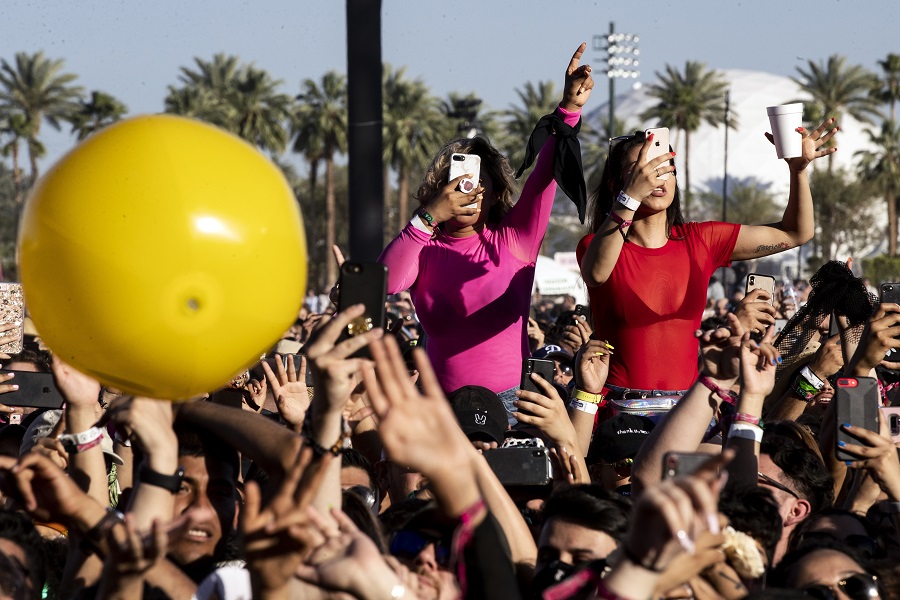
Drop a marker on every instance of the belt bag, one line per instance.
(653, 405)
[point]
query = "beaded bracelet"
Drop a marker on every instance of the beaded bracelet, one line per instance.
(306, 431)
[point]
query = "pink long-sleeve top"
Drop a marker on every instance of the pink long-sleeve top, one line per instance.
(473, 294)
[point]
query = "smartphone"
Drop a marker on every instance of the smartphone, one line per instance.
(677, 464)
(755, 281)
(363, 283)
(12, 310)
(659, 146)
(857, 403)
(228, 397)
(544, 367)
(520, 466)
(833, 325)
(581, 311)
(890, 292)
(37, 390)
(891, 414)
(466, 164)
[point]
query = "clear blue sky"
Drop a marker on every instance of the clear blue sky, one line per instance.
(133, 50)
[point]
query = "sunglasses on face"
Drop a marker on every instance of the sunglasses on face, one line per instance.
(409, 544)
(766, 480)
(564, 370)
(861, 586)
(363, 493)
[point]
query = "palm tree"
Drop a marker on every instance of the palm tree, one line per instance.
(260, 112)
(35, 88)
(96, 113)
(685, 101)
(464, 114)
(889, 90)
(411, 131)
(837, 88)
(595, 148)
(196, 103)
(536, 101)
(321, 129)
(881, 167)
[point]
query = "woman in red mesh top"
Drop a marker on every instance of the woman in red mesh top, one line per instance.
(648, 270)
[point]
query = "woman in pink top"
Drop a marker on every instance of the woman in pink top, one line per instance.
(469, 268)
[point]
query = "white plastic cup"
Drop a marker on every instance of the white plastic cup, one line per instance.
(785, 120)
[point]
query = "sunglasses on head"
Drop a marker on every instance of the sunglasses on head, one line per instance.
(861, 586)
(409, 544)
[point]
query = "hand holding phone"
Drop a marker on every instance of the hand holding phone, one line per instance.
(363, 283)
(659, 145)
(857, 401)
(465, 164)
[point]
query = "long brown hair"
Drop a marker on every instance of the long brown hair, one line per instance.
(492, 162)
(611, 183)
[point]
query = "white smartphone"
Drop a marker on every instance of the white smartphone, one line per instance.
(659, 146)
(466, 164)
(756, 281)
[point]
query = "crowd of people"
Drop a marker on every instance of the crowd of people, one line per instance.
(686, 444)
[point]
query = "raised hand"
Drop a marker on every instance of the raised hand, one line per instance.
(547, 412)
(275, 537)
(720, 350)
(645, 176)
(592, 366)
(877, 454)
(344, 558)
(289, 389)
(450, 202)
(579, 82)
(44, 490)
(755, 311)
(332, 368)
(812, 144)
(576, 335)
(758, 364)
(879, 336)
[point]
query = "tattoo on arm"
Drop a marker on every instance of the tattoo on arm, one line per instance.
(737, 583)
(772, 247)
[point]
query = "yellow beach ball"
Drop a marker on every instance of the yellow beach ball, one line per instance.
(162, 256)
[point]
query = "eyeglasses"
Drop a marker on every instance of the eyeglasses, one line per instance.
(766, 480)
(621, 467)
(861, 586)
(409, 544)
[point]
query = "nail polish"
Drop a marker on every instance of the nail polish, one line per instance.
(842, 444)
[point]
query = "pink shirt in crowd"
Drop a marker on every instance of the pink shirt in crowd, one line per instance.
(473, 294)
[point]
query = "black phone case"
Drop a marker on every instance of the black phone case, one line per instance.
(228, 397)
(676, 464)
(542, 366)
(307, 375)
(363, 283)
(890, 292)
(37, 390)
(857, 405)
(520, 466)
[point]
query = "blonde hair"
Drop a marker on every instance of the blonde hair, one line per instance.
(492, 162)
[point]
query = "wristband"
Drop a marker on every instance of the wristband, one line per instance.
(746, 418)
(627, 201)
(419, 224)
(587, 397)
(586, 407)
(745, 431)
(171, 483)
(803, 389)
(79, 442)
(617, 219)
(811, 378)
(423, 214)
(723, 394)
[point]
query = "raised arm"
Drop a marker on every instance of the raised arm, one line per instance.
(525, 224)
(797, 225)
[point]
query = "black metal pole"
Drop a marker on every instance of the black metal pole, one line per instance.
(366, 185)
(725, 178)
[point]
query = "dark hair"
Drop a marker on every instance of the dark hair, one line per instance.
(19, 529)
(41, 360)
(201, 443)
(781, 575)
(611, 184)
(591, 506)
(363, 517)
(799, 535)
(805, 471)
(355, 459)
(493, 163)
(753, 510)
(399, 514)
